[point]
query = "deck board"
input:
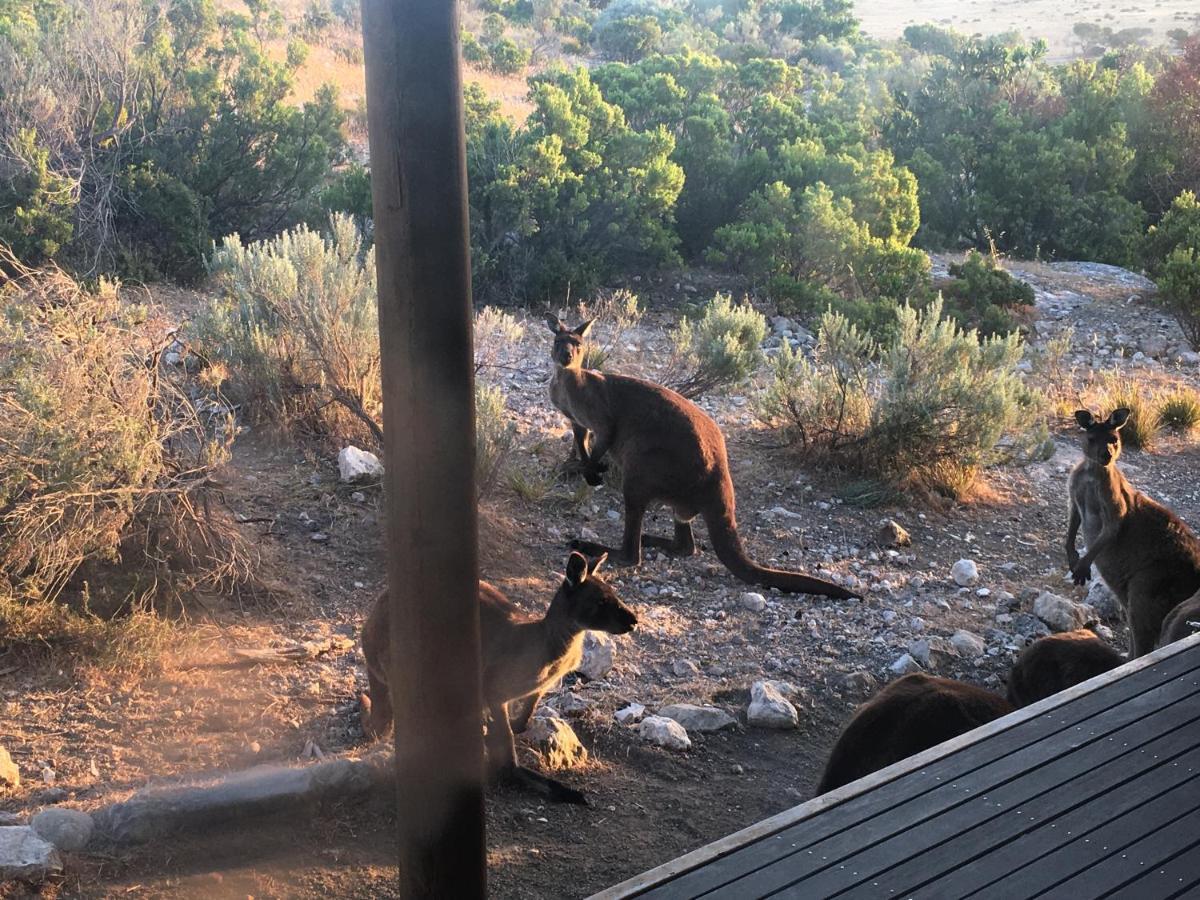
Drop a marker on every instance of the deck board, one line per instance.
(1004, 810)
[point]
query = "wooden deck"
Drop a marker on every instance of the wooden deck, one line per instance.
(1094, 792)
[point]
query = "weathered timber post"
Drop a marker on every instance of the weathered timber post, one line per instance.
(418, 182)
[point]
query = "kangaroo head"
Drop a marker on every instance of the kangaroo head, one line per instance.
(568, 342)
(1102, 443)
(589, 601)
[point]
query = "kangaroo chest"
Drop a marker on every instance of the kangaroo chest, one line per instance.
(1098, 502)
(570, 396)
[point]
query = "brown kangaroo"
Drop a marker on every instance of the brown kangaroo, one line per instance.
(1145, 552)
(1057, 662)
(911, 714)
(1183, 621)
(521, 658)
(670, 451)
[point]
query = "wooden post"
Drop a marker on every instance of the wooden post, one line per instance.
(419, 190)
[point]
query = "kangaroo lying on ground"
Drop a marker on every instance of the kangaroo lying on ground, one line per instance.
(1145, 552)
(911, 714)
(1057, 662)
(670, 451)
(521, 658)
(1183, 621)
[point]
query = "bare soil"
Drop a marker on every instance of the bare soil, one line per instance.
(103, 736)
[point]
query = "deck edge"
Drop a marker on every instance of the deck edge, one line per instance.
(663, 873)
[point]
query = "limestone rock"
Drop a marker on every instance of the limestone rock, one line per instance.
(629, 714)
(905, 665)
(860, 682)
(769, 708)
(556, 741)
(1101, 598)
(598, 652)
(754, 602)
(67, 829)
(10, 775)
(700, 719)
(664, 732)
(892, 534)
(358, 465)
(1061, 614)
(964, 572)
(968, 644)
(26, 856)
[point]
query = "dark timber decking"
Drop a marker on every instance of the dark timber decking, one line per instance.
(1094, 792)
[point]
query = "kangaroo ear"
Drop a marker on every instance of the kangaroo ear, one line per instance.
(1118, 418)
(595, 564)
(577, 568)
(1084, 418)
(554, 323)
(583, 328)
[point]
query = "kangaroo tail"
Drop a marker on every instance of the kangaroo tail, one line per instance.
(722, 530)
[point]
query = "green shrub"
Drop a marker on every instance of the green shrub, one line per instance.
(472, 50)
(982, 294)
(162, 228)
(295, 323)
(1179, 410)
(349, 192)
(495, 437)
(108, 455)
(929, 409)
(719, 348)
(1179, 227)
(1179, 290)
(37, 205)
(507, 56)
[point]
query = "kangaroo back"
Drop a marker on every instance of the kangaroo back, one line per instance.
(911, 714)
(1183, 621)
(1057, 662)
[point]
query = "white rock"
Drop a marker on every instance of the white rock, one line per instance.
(892, 534)
(769, 708)
(571, 705)
(630, 713)
(684, 668)
(598, 652)
(358, 465)
(664, 732)
(905, 665)
(754, 602)
(25, 856)
(701, 719)
(67, 829)
(964, 572)
(557, 743)
(1101, 598)
(968, 644)
(1061, 614)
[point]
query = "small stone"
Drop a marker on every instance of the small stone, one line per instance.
(919, 650)
(684, 668)
(571, 705)
(891, 534)
(358, 465)
(964, 572)
(968, 644)
(664, 732)
(319, 536)
(754, 602)
(10, 775)
(905, 665)
(556, 741)
(629, 714)
(67, 829)
(1061, 614)
(860, 682)
(598, 652)
(736, 769)
(701, 719)
(1101, 598)
(769, 708)
(26, 856)
(358, 497)
(7, 818)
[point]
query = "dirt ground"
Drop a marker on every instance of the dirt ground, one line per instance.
(102, 737)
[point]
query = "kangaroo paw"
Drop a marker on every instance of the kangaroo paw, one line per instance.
(525, 779)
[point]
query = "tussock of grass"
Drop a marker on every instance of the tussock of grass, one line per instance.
(1179, 410)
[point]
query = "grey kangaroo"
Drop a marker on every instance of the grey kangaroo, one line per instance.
(521, 658)
(670, 452)
(1183, 621)
(1145, 552)
(1057, 662)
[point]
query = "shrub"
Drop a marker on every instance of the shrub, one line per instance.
(929, 409)
(161, 226)
(1179, 227)
(1116, 390)
(507, 56)
(472, 50)
(296, 325)
(36, 205)
(982, 294)
(719, 348)
(497, 339)
(107, 457)
(1179, 410)
(495, 437)
(1179, 288)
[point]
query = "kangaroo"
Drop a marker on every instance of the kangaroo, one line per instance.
(1057, 662)
(1145, 552)
(911, 714)
(1183, 621)
(520, 657)
(670, 451)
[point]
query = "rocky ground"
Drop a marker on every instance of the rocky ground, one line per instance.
(959, 598)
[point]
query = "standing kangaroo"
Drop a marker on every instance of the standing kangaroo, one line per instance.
(521, 658)
(1144, 552)
(670, 451)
